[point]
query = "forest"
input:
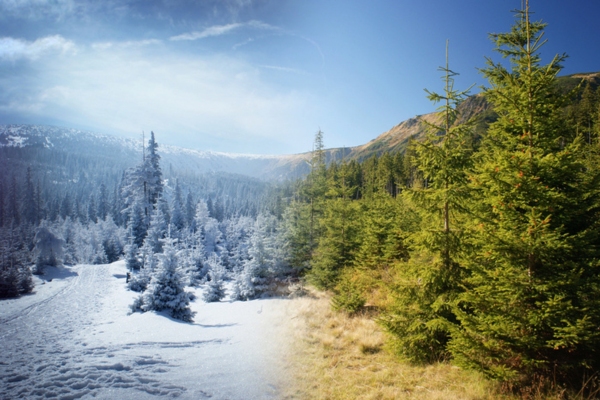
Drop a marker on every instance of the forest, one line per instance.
(477, 245)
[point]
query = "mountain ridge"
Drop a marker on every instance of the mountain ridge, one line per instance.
(127, 151)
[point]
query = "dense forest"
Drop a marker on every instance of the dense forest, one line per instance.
(58, 210)
(477, 244)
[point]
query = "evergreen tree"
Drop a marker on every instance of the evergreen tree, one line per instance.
(338, 241)
(91, 211)
(66, 207)
(137, 224)
(166, 288)
(15, 275)
(131, 256)
(28, 206)
(156, 232)
(48, 249)
(190, 210)
(421, 318)
(531, 301)
(154, 185)
(215, 290)
(2, 206)
(14, 214)
(103, 207)
(177, 215)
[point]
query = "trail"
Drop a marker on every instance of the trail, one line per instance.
(75, 340)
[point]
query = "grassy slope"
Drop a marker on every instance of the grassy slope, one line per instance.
(338, 357)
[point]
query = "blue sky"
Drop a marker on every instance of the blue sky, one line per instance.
(256, 76)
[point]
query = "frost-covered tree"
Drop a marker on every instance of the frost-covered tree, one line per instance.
(264, 263)
(92, 210)
(15, 275)
(190, 209)
(156, 232)
(28, 206)
(215, 290)
(141, 188)
(131, 256)
(177, 215)
(213, 237)
(113, 238)
(166, 289)
(137, 224)
(237, 238)
(48, 249)
(103, 206)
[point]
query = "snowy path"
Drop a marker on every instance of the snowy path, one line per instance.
(73, 339)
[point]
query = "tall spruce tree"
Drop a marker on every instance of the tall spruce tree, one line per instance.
(531, 300)
(338, 239)
(421, 317)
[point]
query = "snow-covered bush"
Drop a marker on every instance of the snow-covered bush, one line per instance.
(48, 249)
(15, 275)
(131, 257)
(215, 290)
(166, 288)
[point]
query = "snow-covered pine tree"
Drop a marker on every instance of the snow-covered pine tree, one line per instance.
(137, 224)
(215, 290)
(48, 249)
(213, 238)
(131, 256)
(153, 172)
(103, 206)
(166, 289)
(113, 238)
(254, 278)
(15, 275)
(156, 231)
(177, 215)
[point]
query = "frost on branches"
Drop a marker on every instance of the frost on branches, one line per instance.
(166, 288)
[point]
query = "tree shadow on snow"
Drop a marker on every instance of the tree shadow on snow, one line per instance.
(51, 273)
(214, 326)
(167, 315)
(120, 276)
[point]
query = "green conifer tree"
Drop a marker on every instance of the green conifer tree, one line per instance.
(530, 302)
(421, 317)
(336, 244)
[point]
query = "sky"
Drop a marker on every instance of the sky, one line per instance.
(257, 76)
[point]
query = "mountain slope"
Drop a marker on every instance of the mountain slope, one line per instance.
(123, 153)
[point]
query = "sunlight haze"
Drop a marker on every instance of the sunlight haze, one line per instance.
(255, 76)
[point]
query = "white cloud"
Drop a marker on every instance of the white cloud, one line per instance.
(218, 30)
(14, 49)
(285, 69)
(195, 101)
(37, 8)
(126, 44)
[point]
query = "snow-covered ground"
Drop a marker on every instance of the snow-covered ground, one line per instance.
(73, 338)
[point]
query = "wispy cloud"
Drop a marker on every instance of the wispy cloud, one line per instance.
(15, 49)
(126, 44)
(218, 30)
(241, 44)
(199, 101)
(34, 8)
(285, 69)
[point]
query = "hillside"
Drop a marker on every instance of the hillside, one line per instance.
(123, 153)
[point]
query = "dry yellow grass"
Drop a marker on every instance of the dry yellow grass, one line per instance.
(334, 356)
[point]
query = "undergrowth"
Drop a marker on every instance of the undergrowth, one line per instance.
(337, 355)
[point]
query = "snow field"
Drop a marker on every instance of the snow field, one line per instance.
(73, 338)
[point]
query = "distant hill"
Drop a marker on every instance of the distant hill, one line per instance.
(33, 143)
(123, 153)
